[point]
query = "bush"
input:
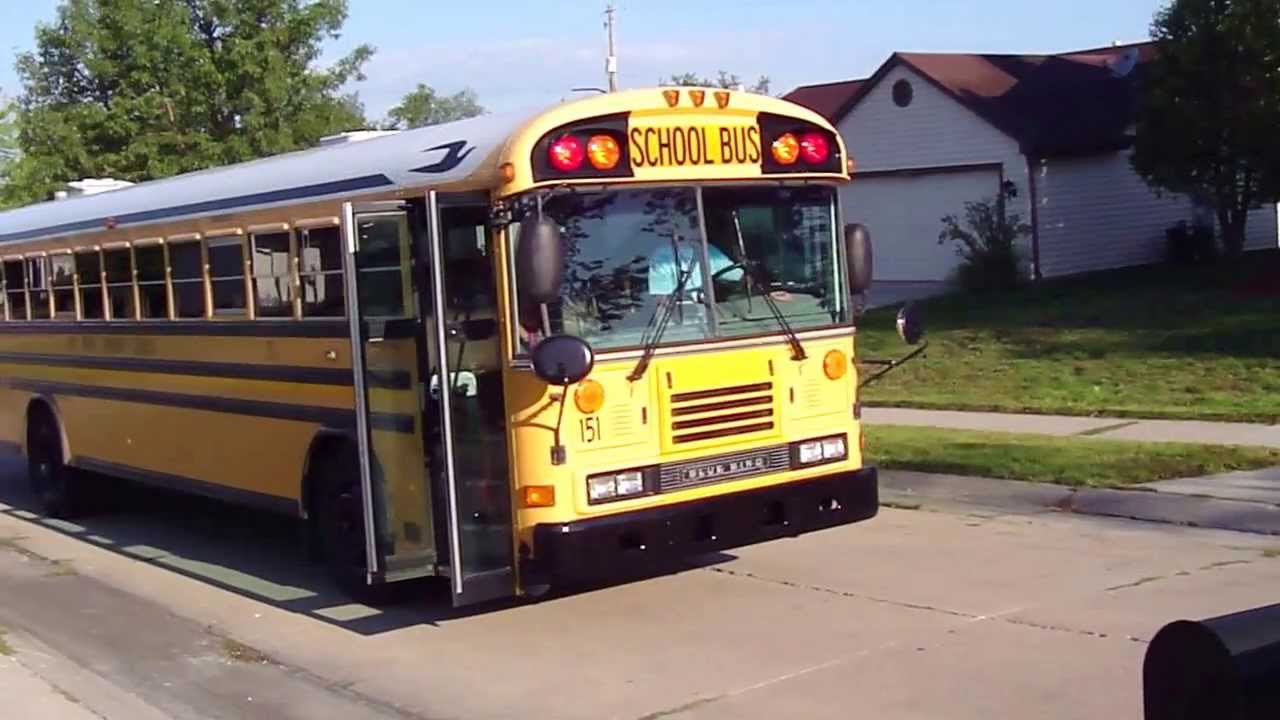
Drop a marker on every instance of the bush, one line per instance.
(987, 243)
(1187, 244)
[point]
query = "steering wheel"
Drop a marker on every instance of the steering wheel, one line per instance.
(718, 276)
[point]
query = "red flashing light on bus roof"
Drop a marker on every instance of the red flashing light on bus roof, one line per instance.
(814, 148)
(566, 154)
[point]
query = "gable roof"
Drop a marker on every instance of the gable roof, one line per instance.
(826, 99)
(1070, 103)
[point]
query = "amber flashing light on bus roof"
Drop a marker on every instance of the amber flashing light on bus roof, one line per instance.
(604, 152)
(672, 97)
(786, 149)
(814, 148)
(698, 97)
(566, 153)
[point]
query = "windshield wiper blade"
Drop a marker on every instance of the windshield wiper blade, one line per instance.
(751, 270)
(664, 311)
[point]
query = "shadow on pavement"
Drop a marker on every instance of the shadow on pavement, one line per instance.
(254, 554)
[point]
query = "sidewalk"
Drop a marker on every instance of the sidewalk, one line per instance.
(1190, 431)
(31, 698)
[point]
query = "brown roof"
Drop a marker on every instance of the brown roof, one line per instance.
(1070, 103)
(825, 98)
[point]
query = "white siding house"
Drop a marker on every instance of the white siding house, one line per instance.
(930, 132)
(935, 153)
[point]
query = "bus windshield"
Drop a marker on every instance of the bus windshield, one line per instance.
(628, 251)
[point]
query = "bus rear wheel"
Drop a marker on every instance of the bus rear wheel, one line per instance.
(58, 488)
(339, 522)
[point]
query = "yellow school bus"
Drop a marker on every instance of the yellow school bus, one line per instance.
(515, 352)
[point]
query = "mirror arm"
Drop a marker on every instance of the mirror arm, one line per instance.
(559, 455)
(889, 365)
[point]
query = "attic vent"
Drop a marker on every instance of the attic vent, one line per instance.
(903, 93)
(1124, 63)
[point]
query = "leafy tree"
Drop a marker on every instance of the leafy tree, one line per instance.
(722, 80)
(8, 137)
(422, 106)
(1207, 120)
(144, 89)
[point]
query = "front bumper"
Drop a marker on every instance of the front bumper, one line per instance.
(644, 540)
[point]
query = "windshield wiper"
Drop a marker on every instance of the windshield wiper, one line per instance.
(653, 332)
(751, 270)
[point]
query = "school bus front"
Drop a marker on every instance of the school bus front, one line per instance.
(703, 267)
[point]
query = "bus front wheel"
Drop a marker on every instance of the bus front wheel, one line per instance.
(58, 488)
(339, 521)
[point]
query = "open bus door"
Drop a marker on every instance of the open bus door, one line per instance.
(466, 390)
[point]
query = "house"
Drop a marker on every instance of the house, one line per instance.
(929, 132)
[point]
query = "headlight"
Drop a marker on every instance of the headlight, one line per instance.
(828, 449)
(615, 486)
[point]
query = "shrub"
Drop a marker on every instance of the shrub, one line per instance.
(986, 239)
(1187, 244)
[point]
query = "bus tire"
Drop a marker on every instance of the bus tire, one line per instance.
(338, 508)
(59, 489)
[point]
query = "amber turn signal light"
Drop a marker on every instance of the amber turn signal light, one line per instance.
(589, 397)
(538, 495)
(835, 365)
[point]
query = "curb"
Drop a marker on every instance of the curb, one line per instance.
(904, 487)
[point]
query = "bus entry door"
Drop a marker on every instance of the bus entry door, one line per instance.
(387, 344)
(465, 387)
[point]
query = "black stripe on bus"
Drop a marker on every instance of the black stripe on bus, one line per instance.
(302, 192)
(181, 483)
(330, 417)
(392, 379)
(188, 328)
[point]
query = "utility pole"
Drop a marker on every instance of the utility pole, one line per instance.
(611, 60)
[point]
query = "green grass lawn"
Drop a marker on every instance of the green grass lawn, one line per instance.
(1156, 341)
(1075, 461)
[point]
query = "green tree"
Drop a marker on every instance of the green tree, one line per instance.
(422, 106)
(1206, 123)
(144, 89)
(8, 137)
(722, 80)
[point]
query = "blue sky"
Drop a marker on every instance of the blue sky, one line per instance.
(520, 55)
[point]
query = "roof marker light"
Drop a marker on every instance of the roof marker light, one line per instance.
(698, 97)
(672, 97)
(722, 99)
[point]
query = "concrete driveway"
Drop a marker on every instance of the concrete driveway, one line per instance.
(184, 608)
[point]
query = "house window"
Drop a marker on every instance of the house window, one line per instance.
(186, 269)
(320, 259)
(153, 297)
(119, 264)
(15, 290)
(226, 276)
(903, 93)
(272, 275)
(89, 268)
(38, 282)
(63, 271)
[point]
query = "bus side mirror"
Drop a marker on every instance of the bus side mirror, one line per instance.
(857, 245)
(910, 324)
(562, 360)
(539, 261)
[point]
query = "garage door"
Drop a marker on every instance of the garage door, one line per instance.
(904, 214)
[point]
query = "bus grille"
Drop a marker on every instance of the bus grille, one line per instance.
(722, 468)
(722, 412)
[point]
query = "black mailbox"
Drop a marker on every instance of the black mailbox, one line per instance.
(1225, 668)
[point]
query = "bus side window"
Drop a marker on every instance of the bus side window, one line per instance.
(226, 276)
(38, 279)
(186, 271)
(320, 270)
(272, 275)
(119, 264)
(15, 289)
(62, 268)
(89, 268)
(153, 298)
